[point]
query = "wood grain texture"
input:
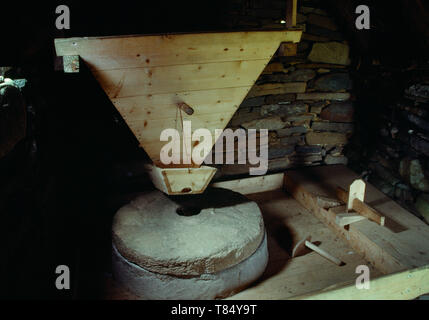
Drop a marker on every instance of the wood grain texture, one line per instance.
(388, 251)
(107, 53)
(148, 76)
(179, 78)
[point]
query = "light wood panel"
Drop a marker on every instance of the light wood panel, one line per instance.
(147, 116)
(179, 78)
(147, 77)
(409, 284)
(181, 180)
(253, 185)
(106, 53)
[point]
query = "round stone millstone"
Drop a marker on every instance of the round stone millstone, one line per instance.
(154, 286)
(188, 235)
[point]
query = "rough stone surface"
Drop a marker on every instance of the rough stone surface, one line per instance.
(338, 112)
(150, 233)
(280, 98)
(292, 140)
(322, 21)
(290, 131)
(245, 115)
(280, 151)
(333, 82)
(329, 159)
(422, 206)
(252, 102)
(420, 145)
(419, 122)
(308, 149)
(270, 123)
(418, 91)
(412, 172)
(338, 96)
(330, 52)
(323, 138)
(302, 75)
(284, 109)
(332, 126)
(153, 286)
(322, 32)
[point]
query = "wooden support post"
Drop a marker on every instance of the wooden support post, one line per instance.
(291, 8)
(356, 191)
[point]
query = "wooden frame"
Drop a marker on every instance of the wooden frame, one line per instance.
(299, 203)
(398, 252)
(170, 80)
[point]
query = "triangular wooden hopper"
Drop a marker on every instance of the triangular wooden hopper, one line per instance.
(148, 76)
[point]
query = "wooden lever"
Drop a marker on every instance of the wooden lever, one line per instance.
(361, 207)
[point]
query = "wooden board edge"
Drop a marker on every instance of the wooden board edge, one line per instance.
(290, 35)
(404, 285)
(251, 185)
(381, 259)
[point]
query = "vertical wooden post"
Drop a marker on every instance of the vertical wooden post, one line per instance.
(291, 8)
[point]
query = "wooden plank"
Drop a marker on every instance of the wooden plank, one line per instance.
(181, 180)
(179, 78)
(147, 116)
(253, 185)
(344, 219)
(107, 53)
(164, 106)
(324, 253)
(388, 251)
(291, 9)
(357, 191)
(287, 222)
(408, 284)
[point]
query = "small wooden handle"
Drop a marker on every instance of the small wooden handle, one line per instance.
(361, 207)
(186, 108)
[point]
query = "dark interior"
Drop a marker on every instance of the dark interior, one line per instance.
(78, 162)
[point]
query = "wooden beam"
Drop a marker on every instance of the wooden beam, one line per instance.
(254, 184)
(291, 9)
(408, 284)
(344, 219)
(386, 250)
(356, 191)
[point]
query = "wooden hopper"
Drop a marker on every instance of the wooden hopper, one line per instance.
(159, 81)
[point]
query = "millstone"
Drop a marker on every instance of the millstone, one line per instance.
(160, 240)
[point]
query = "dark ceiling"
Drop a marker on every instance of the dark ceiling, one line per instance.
(399, 28)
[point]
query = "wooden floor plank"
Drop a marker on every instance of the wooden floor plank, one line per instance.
(388, 250)
(287, 222)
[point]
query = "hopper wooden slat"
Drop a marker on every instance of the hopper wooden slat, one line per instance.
(148, 76)
(178, 78)
(107, 53)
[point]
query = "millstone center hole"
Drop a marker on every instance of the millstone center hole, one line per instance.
(188, 211)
